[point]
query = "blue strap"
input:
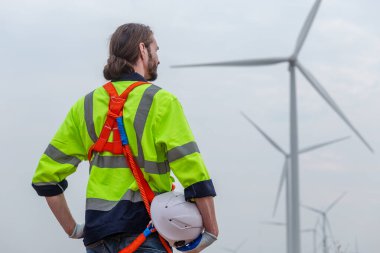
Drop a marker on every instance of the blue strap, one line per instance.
(123, 134)
(147, 232)
(192, 245)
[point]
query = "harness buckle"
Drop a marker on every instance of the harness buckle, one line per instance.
(112, 114)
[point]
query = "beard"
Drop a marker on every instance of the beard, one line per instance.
(152, 68)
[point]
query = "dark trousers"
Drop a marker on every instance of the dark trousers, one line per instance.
(115, 243)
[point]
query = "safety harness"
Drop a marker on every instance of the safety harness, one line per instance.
(120, 145)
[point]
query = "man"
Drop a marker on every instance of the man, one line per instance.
(161, 142)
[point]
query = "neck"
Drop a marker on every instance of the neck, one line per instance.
(139, 68)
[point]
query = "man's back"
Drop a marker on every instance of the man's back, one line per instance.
(159, 137)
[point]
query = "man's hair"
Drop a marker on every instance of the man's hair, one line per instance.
(124, 49)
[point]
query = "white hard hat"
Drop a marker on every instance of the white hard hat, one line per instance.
(175, 219)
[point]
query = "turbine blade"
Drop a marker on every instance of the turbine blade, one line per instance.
(312, 209)
(252, 62)
(323, 93)
(307, 149)
(228, 249)
(335, 202)
(313, 81)
(274, 223)
(317, 223)
(241, 244)
(306, 28)
(270, 140)
(282, 180)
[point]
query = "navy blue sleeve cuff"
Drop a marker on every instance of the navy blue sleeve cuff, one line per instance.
(50, 189)
(200, 190)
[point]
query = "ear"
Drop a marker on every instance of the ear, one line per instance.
(142, 50)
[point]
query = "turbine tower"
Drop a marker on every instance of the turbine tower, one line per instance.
(292, 182)
(325, 220)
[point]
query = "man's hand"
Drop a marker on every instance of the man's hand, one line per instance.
(199, 244)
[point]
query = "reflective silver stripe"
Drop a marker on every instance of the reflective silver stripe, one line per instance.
(100, 204)
(120, 162)
(109, 161)
(156, 167)
(88, 115)
(45, 183)
(106, 205)
(181, 151)
(61, 157)
(61, 187)
(141, 117)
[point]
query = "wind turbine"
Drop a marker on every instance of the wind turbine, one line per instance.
(285, 168)
(325, 220)
(287, 156)
(274, 223)
(314, 233)
(312, 230)
(235, 250)
(356, 246)
(293, 216)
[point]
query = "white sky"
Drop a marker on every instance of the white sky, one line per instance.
(53, 52)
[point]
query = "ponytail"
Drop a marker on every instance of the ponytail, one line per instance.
(115, 67)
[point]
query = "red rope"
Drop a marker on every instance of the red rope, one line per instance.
(134, 245)
(146, 193)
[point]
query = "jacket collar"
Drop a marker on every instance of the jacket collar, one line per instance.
(130, 77)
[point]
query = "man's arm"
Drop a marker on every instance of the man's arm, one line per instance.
(61, 211)
(207, 209)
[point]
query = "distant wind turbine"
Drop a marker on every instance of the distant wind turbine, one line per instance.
(314, 233)
(356, 245)
(356, 250)
(274, 223)
(285, 168)
(293, 212)
(312, 230)
(325, 220)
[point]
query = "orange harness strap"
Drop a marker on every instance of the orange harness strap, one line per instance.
(119, 145)
(115, 109)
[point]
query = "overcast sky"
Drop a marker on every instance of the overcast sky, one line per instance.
(53, 52)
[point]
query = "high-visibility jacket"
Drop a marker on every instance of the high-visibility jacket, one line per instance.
(160, 139)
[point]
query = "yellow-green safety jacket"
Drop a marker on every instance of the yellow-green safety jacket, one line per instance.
(160, 139)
